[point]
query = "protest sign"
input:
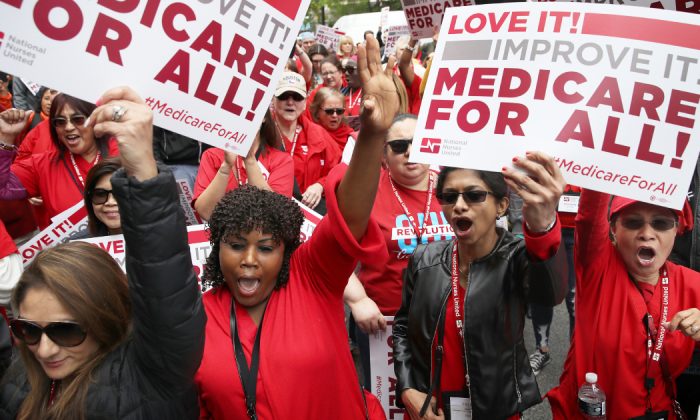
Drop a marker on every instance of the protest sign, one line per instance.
(381, 359)
(311, 219)
(191, 217)
(610, 92)
(329, 37)
(63, 228)
(207, 69)
(393, 34)
(424, 15)
(677, 5)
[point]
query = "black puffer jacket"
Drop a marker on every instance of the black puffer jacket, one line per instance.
(500, 285)
(150, 376)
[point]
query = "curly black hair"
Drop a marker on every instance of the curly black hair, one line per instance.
(248, 208)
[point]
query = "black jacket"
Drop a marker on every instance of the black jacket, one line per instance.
(500, 285)
(150, 376)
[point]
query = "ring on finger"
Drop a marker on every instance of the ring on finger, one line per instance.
(118, 112)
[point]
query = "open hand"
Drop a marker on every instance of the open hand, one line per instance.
(380, 102)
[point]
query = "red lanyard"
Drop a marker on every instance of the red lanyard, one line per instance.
(354, 100)
(238, 171)
(77, 171)
(417, 229)
(458, 313)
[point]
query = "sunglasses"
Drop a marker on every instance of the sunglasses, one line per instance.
(350, 70)
(64, 334)
(337, 111)
(286, 95)
(76, 120)
(659, 224)
(399, 146)
(100, 195)
(469, 197)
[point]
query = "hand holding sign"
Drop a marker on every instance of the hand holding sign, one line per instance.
(540, 186)
(380, 101)
(123, 115)
(12, 122)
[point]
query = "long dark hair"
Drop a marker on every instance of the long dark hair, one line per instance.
(89, 283)
(269, 136)
(85, 108)
(101, 168)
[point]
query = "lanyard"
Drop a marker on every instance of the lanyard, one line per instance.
(354, 100)
(655, 339)
(418, 230)
(458, 314)
(238, 171)
(294, 139)
(248, 376)
(77, 171)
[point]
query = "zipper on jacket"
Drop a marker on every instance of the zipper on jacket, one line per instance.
(432, 355)
(515, 374)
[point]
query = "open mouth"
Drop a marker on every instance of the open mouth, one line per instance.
(646, 255)
(462, 226)
(248, 285)
(72, 139)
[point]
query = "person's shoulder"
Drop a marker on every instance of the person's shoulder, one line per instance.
(213, 154)
(430, 254)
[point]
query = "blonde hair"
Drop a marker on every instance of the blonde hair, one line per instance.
(346, 39)
(89, 283)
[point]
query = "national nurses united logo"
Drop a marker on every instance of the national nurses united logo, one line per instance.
(287, 7)
(430, 145)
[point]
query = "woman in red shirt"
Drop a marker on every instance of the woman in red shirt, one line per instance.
(314, 151)
(58, 176)
(266, 167)
(628, 295)
(327, 109)
(275, 329)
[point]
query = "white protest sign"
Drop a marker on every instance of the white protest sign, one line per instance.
(384, 22)
(392, 36)
(381, 360)
(63, 227)
(191, 217)
(424, 15)
(329, 37)
(207, 69)
(610, 92)
(677, 5)
(311, 220)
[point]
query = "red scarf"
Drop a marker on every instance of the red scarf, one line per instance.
(340, 135)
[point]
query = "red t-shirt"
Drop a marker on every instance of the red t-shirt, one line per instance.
(55, 180)
(306, 368)
(414, 98)
(353, 102)
(37, 141)
(609, 337)
(277, 168)
(7, 245)
(382, 278)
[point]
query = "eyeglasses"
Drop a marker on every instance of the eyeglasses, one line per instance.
(399, 146)
(337, 111)
(76, 120)
(469, 197)
(64, 334)
(659, 224)
(289, 94)
(350, 70)
(100, 195)
(329, 73)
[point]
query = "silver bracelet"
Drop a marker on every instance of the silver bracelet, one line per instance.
(547, 229)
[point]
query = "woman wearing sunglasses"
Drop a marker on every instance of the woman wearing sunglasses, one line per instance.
(458, 336)
(101, 205)
(276, 344)
(629, 295)
(313, 150)
(327, 109)
(95, 343)
(58, 176)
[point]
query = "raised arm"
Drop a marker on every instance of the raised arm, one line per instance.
(358, 188)
(306, 65)
(12, 122)
(406, 63)
(168, 317)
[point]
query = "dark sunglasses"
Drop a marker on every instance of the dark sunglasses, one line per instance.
(399, 146)
(289, 94)
(337, 111)
(100, 195)
(76, 120)
(659, 224)
(469, 197)
(64, 334)
(350, 70)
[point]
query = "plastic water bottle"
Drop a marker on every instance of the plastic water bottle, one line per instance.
(591, 399)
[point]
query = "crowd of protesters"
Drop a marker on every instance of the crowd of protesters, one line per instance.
(460, 257)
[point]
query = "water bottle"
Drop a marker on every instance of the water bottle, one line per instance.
(591, 399)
